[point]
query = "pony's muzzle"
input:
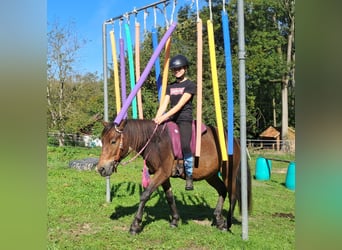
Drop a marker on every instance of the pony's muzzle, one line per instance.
(106, 169)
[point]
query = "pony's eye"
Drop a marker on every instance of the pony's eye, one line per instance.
(113, 142)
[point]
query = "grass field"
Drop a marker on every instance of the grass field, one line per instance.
(80, 218)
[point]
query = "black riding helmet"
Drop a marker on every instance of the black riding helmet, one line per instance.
(178, 61)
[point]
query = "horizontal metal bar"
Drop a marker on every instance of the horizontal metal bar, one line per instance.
(135, 11)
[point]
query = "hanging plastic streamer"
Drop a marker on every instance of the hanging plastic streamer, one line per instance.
(145, 73)
(166, 69)
(145, 178)
(229, 80)
(116, 72)
(216, 87)
(145, 17)
(122, 70)
(155, 45)
(137, 67)
(199, 83)
(167, 56)
(131, 69)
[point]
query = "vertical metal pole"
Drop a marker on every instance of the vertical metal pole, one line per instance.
(105, 94)
(107, 188)
(241, 54)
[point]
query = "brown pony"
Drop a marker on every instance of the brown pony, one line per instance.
(153, 143)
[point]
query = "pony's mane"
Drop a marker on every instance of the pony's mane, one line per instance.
(139, 132)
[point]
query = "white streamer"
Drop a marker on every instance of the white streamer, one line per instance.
(145, 17)
(197, 10)
(211, 14)
(173, 10)
(155, 16)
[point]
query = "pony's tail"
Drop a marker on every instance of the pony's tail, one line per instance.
(249, 188)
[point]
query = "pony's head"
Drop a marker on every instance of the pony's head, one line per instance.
(113, 149)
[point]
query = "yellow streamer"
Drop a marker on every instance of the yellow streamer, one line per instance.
(216, 90)
(199, 87)
(116, 72)
(166, 68)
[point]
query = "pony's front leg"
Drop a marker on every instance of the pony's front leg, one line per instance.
(172, 204)
(136, 224)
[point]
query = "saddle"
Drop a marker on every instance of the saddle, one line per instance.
(178, 169)
(175, 138)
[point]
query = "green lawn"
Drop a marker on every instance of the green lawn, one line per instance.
(80, 218)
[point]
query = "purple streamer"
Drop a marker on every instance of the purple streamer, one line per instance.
(144, 75)
(123, 71)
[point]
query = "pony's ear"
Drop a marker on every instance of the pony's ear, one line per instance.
(122, 124)
(105, 124)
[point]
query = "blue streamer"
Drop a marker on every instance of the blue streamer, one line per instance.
(229, 80)
(157, 63)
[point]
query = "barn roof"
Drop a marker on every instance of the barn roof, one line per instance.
(270, 132)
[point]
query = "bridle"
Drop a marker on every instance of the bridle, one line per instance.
(117, 157)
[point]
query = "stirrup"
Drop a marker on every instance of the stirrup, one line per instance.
(178, 170)
(189, 183)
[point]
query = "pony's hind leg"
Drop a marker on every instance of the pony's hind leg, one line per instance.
(171, 201)
(232, 203)
(217, 183)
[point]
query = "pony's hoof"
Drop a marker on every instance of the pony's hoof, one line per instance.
(222, 227)
(173, 225)
(226, 227)
(135, 230)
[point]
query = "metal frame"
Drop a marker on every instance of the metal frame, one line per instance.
(104, 48)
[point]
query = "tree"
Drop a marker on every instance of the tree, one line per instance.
(269, 32)
(74, 101)
(63, 46)
(289, 52)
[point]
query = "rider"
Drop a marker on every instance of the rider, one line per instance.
(180, 93)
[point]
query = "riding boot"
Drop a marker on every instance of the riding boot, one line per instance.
(188, 164)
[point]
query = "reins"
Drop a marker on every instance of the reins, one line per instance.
(142, 149)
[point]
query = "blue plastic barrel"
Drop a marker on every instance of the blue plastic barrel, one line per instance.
(290, 182)
(263, 169)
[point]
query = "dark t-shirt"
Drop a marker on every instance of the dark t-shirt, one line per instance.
(176, 90)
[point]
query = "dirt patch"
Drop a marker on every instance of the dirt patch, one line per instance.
(203, 222)
(284, 215)
(83, 229)
(259, 183)
(279, 171)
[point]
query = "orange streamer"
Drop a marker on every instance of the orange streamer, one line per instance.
(166, 68)
(137, 67)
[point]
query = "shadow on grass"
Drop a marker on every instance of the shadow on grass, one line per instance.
(190, 207)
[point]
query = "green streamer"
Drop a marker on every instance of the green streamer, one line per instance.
(131, 69)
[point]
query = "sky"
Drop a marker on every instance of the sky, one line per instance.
(89, 16)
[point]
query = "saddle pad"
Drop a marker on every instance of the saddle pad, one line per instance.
(175, 138)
